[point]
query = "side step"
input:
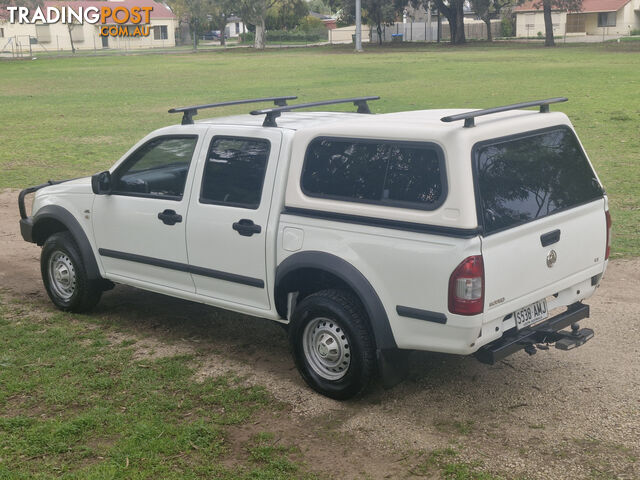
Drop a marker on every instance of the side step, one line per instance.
(544, 333)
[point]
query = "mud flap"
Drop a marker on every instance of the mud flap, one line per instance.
(393, 366)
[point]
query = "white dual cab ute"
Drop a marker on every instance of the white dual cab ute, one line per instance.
(366, 235)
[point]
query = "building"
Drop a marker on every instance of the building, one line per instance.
(597, 17)
(43, 37)
(234, 27)
(329, 21)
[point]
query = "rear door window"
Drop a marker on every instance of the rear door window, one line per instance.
(234, 172)
(390, 173)
(528, 177)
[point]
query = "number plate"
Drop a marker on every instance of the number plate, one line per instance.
(531, 314)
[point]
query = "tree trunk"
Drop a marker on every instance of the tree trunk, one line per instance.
(73, 47)
(548, 25)
(459, 21)
(455, 14)
(487, 21)
(260, 42)
(379, 28)
(195, 34)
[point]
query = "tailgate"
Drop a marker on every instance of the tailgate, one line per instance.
(517, 264)
(542, 209)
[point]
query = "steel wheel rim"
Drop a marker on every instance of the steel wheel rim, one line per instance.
(62, 275)
(326, 348)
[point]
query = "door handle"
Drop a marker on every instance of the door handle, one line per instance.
(246, 227)
(550, 238)
(170, 217)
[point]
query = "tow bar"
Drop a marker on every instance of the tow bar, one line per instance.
(541, 335)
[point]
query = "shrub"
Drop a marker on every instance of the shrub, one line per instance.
(296, 35)
(507, 26)
(247, 37)
(312, 25)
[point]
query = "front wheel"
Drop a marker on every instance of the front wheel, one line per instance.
(331, 343)
(65, 277)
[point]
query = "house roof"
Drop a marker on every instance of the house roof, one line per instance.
(159, 9)
(588, 6)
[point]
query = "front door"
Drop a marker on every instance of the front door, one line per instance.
(227, 227)
(140, 227)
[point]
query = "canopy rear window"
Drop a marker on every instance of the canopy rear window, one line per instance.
(528, 177)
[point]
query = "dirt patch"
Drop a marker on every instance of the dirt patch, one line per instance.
(554, 415)
(150, 348)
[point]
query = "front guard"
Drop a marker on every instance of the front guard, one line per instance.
(542, 333)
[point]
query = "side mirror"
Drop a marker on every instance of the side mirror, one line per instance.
(101, 183)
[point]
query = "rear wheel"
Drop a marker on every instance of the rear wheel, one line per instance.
(65, 277)
(331, 343)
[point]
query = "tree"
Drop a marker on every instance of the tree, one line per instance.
(194, 12)
(202, 14)
(286, 14)
(219, 12)
(454, 11)
(181, 11)
(382, 12)
(255, 13)
(71, 26)
(374, 12)
(320, 6)
(547, 6)
(486, 8)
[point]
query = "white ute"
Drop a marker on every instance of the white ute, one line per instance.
(464, 232)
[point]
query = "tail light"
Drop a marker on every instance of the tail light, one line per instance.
(608, 250)
(466, 287)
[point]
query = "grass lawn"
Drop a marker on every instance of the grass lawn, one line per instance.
(68, 117)
(77, 404)
(78, 401)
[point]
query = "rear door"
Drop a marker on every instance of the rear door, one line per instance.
(542, 209)
(228, 213)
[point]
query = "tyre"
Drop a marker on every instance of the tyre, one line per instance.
(65, 277)
(332, 346)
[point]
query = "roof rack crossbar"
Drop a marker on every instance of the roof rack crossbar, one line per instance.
(189, 112)
(469, 117)
(273, 113)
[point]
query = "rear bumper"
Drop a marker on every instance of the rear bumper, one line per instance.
(545, 332)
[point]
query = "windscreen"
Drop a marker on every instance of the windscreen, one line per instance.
(529, 177)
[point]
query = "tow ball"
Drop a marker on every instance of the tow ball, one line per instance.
(578, 336)
(563, 340)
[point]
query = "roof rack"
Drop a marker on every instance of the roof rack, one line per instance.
(273, 113)
(470, 116)
(189, 112)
